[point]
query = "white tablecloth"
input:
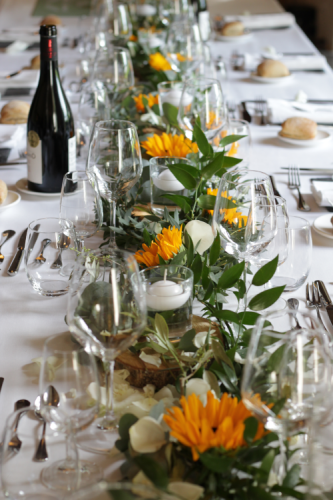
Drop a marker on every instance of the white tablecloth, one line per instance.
(27, 319)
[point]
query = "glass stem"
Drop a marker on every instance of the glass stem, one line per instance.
(80, 245)
(71, 450)
(113, 222)
(282, 459)
(108, 421)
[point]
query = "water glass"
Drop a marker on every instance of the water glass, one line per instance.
(242, 148)
(163, 181)
(294, 271)
(184, 48)
(48, 240)
(169, 292)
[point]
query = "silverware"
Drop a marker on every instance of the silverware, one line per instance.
(1, 382)
(6, 235)
(315, 170)
(32, 240)
(314, 301)
(62, 245)
(260, 108)
(293, 306)
(325, 297)
(13, 74)
(294, 182)
(50, 398)
(15, 443)
(275, 190)
(17, 259)
(246, 114)
(232, 108)
(41, 259)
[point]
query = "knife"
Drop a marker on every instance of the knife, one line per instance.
(16, 262)
(1, 382)
(313, 170)
(246, 114)
(275, 191)
(327, 299)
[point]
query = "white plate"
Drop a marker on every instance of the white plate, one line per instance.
(235, 39)
(22, 185)
(323, 137)
(12, 199)
(264, 79)
(323, 226)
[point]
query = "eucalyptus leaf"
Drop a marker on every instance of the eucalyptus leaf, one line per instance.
(265, 273)
(266, 298)
(186, 342)
(162, 327)
(231, 276)
(292, 476)
(206, 201)
(125, 423)
(153, 470)
(229, 139)
(220, 354)
(267, 462)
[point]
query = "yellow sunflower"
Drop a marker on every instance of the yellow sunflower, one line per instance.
(167, 244)
(231, 216)
(218, 424)
(159, 62)
(168, 145)
(133, 38)
(234, 146)
(152, 99)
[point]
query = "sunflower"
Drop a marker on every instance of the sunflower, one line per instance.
(218, 424)
(231, 216)
(157, 61)
(169, 145)
(133, 38)
(167, 244)
(152, 99)
(234, 146)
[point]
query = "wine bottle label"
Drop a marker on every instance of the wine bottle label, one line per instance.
(204, 25)
(34, 158)
(71, 154)
(49, 48)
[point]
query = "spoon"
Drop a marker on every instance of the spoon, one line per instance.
(41, 259)
(62, 245)
(50, 398)
(293, 305)
(15, 443)
(9, 233)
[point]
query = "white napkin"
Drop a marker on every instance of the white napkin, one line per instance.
(279, 110)
(323, 192)
(13, 137)
(26, 78)
(315, 62)
(281, 20)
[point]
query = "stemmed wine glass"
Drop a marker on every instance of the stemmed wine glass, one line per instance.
(245, 224)
(286, 369)
(115, 158)
(202, 99)
(80, 202)
(108, 314)
(114, 19)
(67, 405)
(184, 48)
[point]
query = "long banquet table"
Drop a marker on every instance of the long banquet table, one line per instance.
(26, 318)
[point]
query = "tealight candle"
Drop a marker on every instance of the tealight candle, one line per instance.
(145, 10)
(166, 181)
(173, 97)
(166, 295)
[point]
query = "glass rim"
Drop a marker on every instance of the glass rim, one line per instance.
(171, 83)
(187, 269)
(130, 125)
(305, 223)
(199, 79)
(236, 182)
(81, 172)
(78, 347)
(53, 219)
(151, 160)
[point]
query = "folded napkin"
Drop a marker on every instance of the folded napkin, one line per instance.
(262, 21)
(323, 192)
(293, 63)
(279, 110)
(13, 137)
(26, 78)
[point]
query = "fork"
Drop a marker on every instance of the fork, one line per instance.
(232, 108)
(41, 259)
(294, 182)
(314, 301)
(261, 110)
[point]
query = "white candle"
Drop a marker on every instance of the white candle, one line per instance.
(145, 10)
(173, 97)
(166, 295)
(166, 181)
(154, 41)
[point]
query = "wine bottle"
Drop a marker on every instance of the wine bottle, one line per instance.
(202, 15)
(51, 143)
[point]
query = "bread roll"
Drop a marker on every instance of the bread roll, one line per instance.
(35, 62)
(3, 191)
(298, 127)
(272, 69)
(51, 20)
(236, 28)
(15, 112)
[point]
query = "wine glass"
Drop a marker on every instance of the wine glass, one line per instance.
(286, 369)
(239, 149)
(67, 405)
(108, 313)
(175, 10)
(115, 158)
(80, 202)
(184, 48)
(114, 19)
(202, 99)
(246, 226)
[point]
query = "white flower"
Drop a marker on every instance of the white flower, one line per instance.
(152, 359)
(187, 491)
(197, 386)
(211, 379)
(200, 338)
(165, 392)
(239, 359)
(142, 407)
(146, 435)
(200, 231)
(51, 366)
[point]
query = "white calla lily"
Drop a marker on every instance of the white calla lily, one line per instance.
(200, 231)
(152, 359)
(211, 379)
(197, 386)
(142, 407)
(147, 435)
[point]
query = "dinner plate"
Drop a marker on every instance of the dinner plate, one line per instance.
(22, 185)
(323, 137)
(264, 79)
(235, 39)
(12, 199)
(322, 225)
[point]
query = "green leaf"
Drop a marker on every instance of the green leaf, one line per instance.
(183, 202)
(156, 109)
(190, 249)
(122, 445)
(266, 273)
(201, 140)
(214, 251)
(161, 327)
(125, 423)
(187, 168)
(248, 318)
(147, 237)
(206, 201)
(231, 276)
(178, 259)
(275, 360)
(186, 342)
(251, 427)
(219, 353)
(267, 462)
(153, 470)
(278, 406)
(266, 298)
(230, 161)
(226, 315)
(209, 291)
(196, 268)
(170, 112)
(289, 492)
(229, 139)
(257, 493)
(184, 177)
(214, 166)
(145, 102)
(205, 277)
(292, 477)
(214, 463)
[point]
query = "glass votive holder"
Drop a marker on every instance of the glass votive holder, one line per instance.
(50, 246)
(171, 92)
(242, 148)
(163, 181)
(169, 292)
(151, 40)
